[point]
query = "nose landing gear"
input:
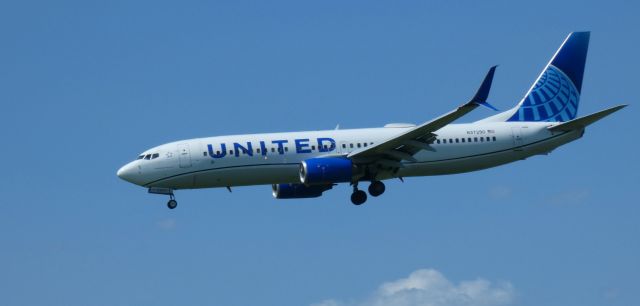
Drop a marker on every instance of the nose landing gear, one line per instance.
(172, 204)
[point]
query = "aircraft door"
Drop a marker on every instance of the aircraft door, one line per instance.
(518, 141)
(184, 155)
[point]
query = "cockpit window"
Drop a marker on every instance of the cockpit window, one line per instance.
(148, 156)
(140, 157)
(155, 155)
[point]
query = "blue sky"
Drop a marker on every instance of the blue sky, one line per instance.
(85, 86)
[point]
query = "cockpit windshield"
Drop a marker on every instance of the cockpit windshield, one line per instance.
(149, 156)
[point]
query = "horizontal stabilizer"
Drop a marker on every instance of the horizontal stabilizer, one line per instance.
(586, 120)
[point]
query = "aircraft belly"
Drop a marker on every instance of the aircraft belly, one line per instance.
(485, 160)
(248, 175)
(460, 165)
(175, 182)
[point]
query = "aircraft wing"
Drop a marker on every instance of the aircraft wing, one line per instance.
(405, 145)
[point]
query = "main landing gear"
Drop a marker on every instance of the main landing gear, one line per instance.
(358, 197)
(376, 188)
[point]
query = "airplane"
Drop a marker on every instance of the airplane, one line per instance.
(307, 164)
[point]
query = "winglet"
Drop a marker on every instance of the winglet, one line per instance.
(483, 92)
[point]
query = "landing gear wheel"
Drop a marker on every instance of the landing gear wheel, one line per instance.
(376, 188)
(172, 204)
(358, 197)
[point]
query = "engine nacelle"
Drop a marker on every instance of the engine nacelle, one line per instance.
(298, 191)
(326, 170)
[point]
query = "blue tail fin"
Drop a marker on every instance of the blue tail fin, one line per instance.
(556, 93)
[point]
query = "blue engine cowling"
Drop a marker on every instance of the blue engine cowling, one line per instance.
(298, 191)
(326, 170)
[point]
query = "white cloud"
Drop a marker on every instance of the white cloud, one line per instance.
(428, 287)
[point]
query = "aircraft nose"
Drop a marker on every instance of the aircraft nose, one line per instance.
(129, 173)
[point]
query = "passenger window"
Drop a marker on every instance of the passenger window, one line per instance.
(462, 139)
(273, 150)
(364, 144)
(358, 144)
(258, 150)
(351, 145)
(481, 139)
(494, 138)
(450, 140)
(344, 146)
(313, 148)
(457, 140)
(437, 140)
(469, 139)
(218, 152)
(231, 152)
(325, 147)
(286, 149)
(204, 153)
(475, 139)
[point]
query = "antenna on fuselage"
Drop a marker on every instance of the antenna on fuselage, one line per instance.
(337, 126)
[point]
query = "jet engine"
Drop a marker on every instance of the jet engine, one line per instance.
(298, 191)
(327, 170)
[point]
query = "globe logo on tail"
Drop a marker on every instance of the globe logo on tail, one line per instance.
(553, 98)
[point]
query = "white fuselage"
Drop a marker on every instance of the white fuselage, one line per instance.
(275, 157)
